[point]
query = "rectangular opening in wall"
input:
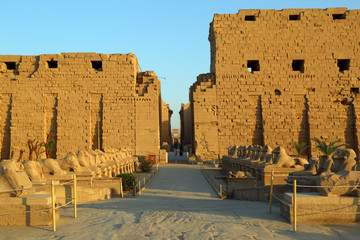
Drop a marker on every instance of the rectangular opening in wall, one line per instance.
(253, 65)
(250, 18)
(298, 65)
(52, 64)
(294, 17)
(10, 65)
(343, 64)
(354, 90)
(339, 16)
(97, 65)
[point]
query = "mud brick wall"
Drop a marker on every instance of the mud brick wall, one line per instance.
(205, 116)
(284, 75)
(166, 113)
(82, 100)
(148, 114)
(185, 125)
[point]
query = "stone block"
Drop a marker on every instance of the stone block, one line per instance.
(312, 207)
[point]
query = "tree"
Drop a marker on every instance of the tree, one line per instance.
(300, 147)
(327, 149)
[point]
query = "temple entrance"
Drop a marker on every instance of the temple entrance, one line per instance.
(177, 158)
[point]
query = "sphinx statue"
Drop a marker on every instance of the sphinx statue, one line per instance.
(254, 149)
(330, 173)
(309, 169)
(232, 150)
(357, 165)
(239, 151)
(13, 182)
(264, 157)
(308, 175)
(339, 184)
(239, 174)
(281, 159)
(259, 153)
(247, 152)
(11, 164)
(87, 161)
(34, 170)
(343, 160)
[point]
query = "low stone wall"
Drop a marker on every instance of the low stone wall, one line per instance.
(312, 207)
(30, 210)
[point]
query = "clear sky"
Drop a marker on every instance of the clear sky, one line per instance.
(169, 37)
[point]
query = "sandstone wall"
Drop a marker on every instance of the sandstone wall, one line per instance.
(166, 113)
(148, 114)
(283, 76)
(82, 100)
(185, 125)
(205, 116)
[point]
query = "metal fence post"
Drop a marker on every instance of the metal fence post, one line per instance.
(271, 190)
(53, 205)
(75, 200)
(294, 207)
(134, 191)
(121, 189)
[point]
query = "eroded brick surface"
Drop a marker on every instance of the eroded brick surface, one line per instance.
(277, 77)
(83, 100)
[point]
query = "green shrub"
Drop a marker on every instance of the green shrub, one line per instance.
(145, 165)
(127, 180)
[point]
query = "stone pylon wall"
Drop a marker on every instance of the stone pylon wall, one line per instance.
(283, 76)
(166, 113)
(185, 126)
(82, 100)
(205, 116)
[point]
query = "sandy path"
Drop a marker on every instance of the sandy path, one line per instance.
(179, 204)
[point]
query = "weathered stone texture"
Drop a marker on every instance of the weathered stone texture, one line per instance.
(281, 76)
(185, 126)
(82, 100)
(205, 116)
(166, 113)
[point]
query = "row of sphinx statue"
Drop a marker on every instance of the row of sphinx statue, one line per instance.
(337, 174)
(259, 156)
(90, 163)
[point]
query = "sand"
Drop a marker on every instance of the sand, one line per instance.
(178, 204)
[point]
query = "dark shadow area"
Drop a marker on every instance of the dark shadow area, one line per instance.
(6, 123)
(258, 135)
(351, 138)
(304, 134)
(177, 159)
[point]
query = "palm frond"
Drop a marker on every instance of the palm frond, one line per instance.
(300, 147)
(327, 149)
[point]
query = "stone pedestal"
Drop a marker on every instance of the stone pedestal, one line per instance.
(234, 184)
(312, 207)
(280, 173)
(27, 210)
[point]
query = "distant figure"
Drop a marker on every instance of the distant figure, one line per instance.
(175, 147)
(181, 151)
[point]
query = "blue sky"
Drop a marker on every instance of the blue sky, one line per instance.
(168, 37)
